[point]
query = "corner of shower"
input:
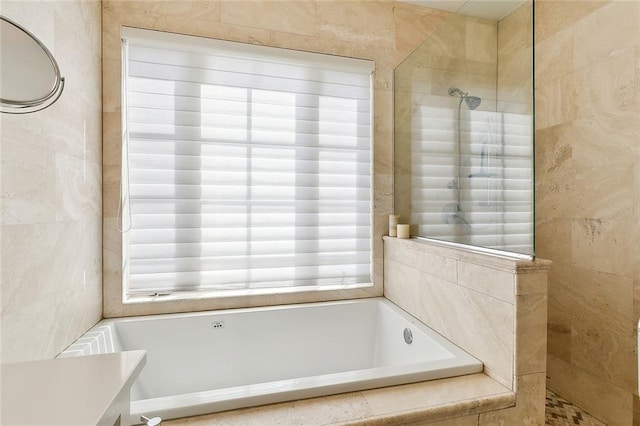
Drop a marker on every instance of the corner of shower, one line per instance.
(463, 144)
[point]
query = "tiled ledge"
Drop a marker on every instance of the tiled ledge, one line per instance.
(425, 402)
(494, 307)
(495, 261)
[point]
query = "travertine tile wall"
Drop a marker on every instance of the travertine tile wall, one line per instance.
(515, 61)
(588, 199)
(493, 307)
(51, 191)
(383, 31)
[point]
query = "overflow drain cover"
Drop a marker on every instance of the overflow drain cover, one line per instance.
(408, 336)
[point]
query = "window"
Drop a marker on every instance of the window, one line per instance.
(244, 167)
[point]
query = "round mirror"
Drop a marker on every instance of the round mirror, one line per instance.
(29, 75)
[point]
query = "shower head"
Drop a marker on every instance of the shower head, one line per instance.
(472, 102)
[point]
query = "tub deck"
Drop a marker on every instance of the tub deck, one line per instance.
(464, 398)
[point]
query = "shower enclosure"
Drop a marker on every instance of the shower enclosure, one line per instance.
(464, 133)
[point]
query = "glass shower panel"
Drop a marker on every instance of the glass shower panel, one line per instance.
(463, 133)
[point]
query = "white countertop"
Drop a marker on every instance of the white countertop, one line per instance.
(66, 391)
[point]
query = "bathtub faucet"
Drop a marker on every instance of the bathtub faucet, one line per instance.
(154, 421)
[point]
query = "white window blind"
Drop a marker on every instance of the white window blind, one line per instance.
(249, 167)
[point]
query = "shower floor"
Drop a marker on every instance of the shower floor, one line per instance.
(560, 412)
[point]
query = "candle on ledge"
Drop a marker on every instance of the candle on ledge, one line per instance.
(403, 230)
(393, 223)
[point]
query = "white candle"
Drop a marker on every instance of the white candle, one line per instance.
(393, 223)
(403, 230)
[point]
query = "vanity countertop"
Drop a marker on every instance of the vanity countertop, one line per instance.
(81, 390)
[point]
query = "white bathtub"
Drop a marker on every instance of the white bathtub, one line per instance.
(206, 362)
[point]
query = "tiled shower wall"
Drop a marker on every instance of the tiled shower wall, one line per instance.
(588, 199)
(51, 198)
(383, 31)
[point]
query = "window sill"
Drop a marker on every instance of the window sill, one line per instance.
(192, 301)
(223, 294)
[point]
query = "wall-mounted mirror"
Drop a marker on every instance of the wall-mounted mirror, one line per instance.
(464, 132)
(30, 78)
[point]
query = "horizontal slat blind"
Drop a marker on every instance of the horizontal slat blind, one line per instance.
(249, 167)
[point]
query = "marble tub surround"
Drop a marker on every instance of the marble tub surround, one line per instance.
(51, 208)
(494, 307)
(587, 198)
(382, 31)
(433, 402)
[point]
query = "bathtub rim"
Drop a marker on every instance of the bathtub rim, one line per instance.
(187, 404)
(109, 322)
(219, 400)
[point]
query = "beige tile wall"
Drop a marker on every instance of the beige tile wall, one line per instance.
(493, 307)
(51, 208)
(588, 198)
(515, 61)
(383, 31)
